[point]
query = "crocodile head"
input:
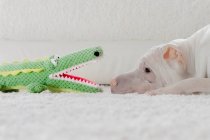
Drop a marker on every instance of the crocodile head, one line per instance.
(64, 66)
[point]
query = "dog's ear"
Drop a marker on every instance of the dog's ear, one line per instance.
(171, 53)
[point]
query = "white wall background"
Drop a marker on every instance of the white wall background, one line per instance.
(101, 19)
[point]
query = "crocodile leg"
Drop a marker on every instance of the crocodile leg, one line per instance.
(36, 88)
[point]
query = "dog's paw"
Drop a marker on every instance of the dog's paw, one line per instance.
(166, 90)
(155, 92)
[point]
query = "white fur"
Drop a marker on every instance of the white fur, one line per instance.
(196, 51)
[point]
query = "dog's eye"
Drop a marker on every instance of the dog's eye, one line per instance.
(147, 70)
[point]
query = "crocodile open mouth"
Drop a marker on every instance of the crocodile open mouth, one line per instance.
(67, 76)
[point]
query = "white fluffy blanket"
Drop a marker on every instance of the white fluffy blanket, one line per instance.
(103, 116)
(101, 19)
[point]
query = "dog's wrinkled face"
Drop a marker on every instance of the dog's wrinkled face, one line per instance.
(159, 67)
(140, 80)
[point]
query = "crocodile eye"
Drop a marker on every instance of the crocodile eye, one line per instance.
(54, 60)
(147, 70)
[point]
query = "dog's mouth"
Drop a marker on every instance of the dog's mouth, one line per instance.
(67, 76)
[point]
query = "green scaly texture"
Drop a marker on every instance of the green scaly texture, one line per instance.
(35, 76)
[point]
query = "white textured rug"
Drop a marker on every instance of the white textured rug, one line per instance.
(103, 116)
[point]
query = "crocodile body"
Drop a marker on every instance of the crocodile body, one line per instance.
(53, 74)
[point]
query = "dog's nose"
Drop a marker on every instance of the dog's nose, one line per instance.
(113, 83)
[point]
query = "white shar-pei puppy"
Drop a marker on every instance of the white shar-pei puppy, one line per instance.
(181, 66)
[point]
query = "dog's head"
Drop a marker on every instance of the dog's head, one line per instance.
(162, 65)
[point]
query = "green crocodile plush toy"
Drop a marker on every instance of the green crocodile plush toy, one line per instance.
(52, 74)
